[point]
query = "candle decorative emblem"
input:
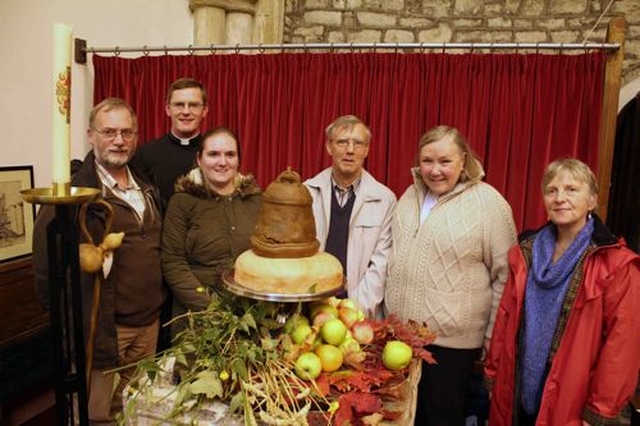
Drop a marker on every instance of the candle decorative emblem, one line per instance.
(61, 108)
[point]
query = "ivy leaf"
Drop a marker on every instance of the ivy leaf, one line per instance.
(247, 322)
(207, 383)
(236, 402)
(151, 367)
(239, 367)
(181, 358)
(269, 344)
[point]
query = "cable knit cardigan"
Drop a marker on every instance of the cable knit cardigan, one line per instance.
(449, 272)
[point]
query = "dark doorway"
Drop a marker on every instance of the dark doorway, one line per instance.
(623, 214)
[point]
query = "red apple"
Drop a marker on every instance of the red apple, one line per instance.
(362, 331)
(321, 318)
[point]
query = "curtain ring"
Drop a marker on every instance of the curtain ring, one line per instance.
(166, 51)
(375, 46)
(237, 48)
(422, 47)
(145, 51)
(443, 48)
(331, 48)
(351, 47)
(305, 47)
(260, 49)
(537, 48)
(190, 50)
(211, 49)
(396, 48)
(116, 51)
(561, 48)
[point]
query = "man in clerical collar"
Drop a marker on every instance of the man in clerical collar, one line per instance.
(353, 213)
(167, 158)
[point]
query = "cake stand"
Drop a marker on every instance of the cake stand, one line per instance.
(283, 300)
(240, 290)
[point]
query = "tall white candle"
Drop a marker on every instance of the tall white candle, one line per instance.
(61, 103)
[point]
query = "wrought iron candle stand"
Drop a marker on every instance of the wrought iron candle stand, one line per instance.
(65, 299)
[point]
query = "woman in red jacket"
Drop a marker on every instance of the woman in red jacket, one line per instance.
(566, 342)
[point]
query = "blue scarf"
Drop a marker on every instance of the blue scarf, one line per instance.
(547, 284)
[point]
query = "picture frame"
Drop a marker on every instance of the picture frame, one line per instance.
(16, 215)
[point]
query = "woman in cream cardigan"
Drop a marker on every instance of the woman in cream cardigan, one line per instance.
(451, 235)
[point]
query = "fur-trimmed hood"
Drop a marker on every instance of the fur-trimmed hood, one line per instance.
(193, 183)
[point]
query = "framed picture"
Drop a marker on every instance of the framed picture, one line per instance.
(16, 215)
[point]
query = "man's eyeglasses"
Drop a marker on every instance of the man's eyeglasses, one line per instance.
(111, 134)
(186, 105)
(344, 143)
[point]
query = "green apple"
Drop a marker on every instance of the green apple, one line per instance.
(299, 334)
(331, 358)
(316, 308)
(352, 351)
(347, 303)
(308, 366)
(294, 321)
(396, 355)
(349, 345)
(348, 316)
(333, 331)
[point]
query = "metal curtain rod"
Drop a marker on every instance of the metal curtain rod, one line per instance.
(82, 49)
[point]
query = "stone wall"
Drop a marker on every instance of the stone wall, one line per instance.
(406, 21)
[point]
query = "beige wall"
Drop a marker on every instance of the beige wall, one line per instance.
(26, 51)
(405, 21)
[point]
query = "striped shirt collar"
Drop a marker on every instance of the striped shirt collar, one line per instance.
(110, 182)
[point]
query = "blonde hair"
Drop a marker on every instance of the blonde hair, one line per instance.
(579, 170)
(347, 122)
(471, 163)
(109, 104)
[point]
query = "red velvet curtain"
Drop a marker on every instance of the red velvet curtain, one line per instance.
(519, 111)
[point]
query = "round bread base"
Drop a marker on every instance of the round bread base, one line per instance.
(240, 290)
(320, 274)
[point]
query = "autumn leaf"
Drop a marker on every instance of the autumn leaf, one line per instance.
(354, 405)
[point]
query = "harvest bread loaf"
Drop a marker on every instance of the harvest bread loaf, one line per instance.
(286, 227)
(284, 255)
(302, 275)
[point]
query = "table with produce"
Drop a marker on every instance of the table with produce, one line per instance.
(245, 361)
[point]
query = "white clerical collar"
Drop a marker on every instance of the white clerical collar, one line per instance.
(184, 141)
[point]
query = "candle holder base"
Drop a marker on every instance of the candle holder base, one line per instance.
(74, 195)
(65, 298)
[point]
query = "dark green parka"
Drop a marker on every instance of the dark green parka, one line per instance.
(204, 232)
